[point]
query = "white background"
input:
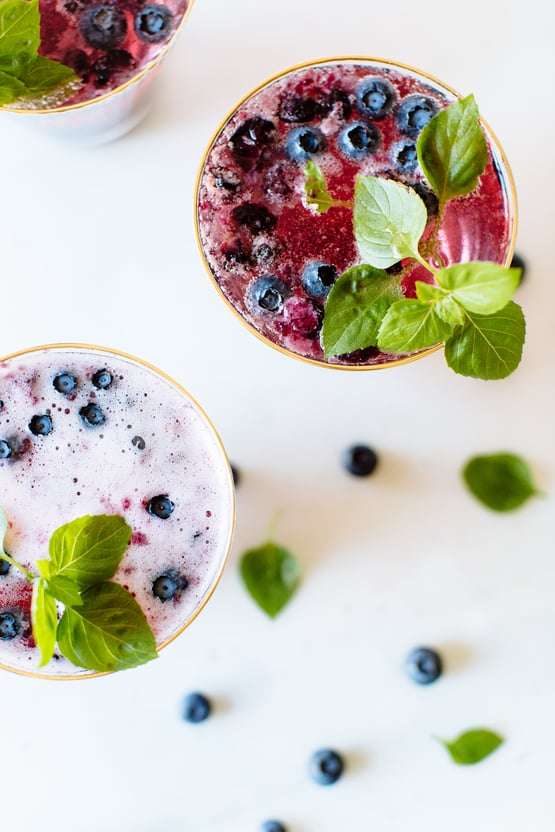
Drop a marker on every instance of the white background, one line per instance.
(98, 246)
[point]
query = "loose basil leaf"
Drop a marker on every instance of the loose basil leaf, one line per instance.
(19, 27)
(316, 190)
(501, 482)
(389, 219)
(355, 309)
(452, 150)
(411, 325)
(44, 620)
(487, 346)
(108, 632)
(65, 590)
(480, 287)
(89, 549)
(271, 575)
(473, 746)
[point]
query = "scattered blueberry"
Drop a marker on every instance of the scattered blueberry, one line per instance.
(424, 665)
(4, 567)
(9, 626)
(272, 826)
(138, 442)
(414, 113)
(196, 708)
(375, 97)
(41, 425)
(249, 141)
(153, 23)
(5, 449)
(165, 586)
(304, 142)
(64, 382)
(358, 140)
(269, 292)
(103, 25)
(236, 474)
(360, 460)
(161, 506)
(102, 379)
(92, 415)
(405, 157)
(518, 263)
(293, 108)
(326, 766)
(255, 217)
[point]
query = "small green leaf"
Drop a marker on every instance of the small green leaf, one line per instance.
(487, 346)
(452, 150)
(479, 287)
(19, 27)
(501, 482)
(44, 568)
(316, 190)
(65, 590)
(89, 549)
(389, 219)
(472, 746)
(108, 632)
(450, 311)
(44, 619)
(44, 75)
(10, 88)
(429, 292)
(271, 574)
(355, 309)
(411, 325)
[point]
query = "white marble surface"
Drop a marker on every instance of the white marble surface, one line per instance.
(98, 246)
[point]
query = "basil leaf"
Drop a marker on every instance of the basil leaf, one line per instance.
(501, 482)
(487, 346)
(89, 549)
(480, 287)
(108, 632)
(472, 746)
(44, 620)
(10, 88)
(355, 309)
(65, 590)
(43, 75)
(44, 568)
(19, 27)
(389, 219)
(411, 325)
(452, 150)
(316, 190)
(271, 575)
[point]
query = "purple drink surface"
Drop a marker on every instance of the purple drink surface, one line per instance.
(252, 162)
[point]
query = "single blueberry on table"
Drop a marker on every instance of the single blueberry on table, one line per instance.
(102, 379)
(153, 23)
(424, 665)
(165, 586)
(358, 140)
(92, 415)
(64, 382)
(272, 826)
(360, 460)
(375, 98)
(304, 142)
(9, 626)
(255, 217)
(414, 113)
(196, 707)
(326, 766)
(269, 292)
(5, 449)
(103, 25)
(518, 263)
(161, 506)
(41, 425)
(249, 140)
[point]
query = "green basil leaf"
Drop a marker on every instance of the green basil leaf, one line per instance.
(389, 219)
(10, 88)
(65, 590)
(271, 575)
(429, 292)
(480, 287)
(19, 27)
(316, 190)
(501, 482)
(355, 309)
(450, 311)
(452, 150)
(487, 346)
(44, 620)
(473, 746)
(108, 632)
(89, 549)
(411, 325)
(43, 75)
(44, 568)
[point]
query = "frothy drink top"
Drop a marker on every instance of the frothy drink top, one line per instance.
(84, 431)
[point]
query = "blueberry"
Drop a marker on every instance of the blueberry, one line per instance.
(41, 425)
(103, 25)
(249, 140)
(424, 665)
(428, 197)
(165, 586)
(161, 506)
(375, 97)
(4, 567)
(326, 766)
(9, 626)
(235, 255)
(92, 415)
(196, 708)
(64, 382)
(304, 142)
(227, 179)
(337, 96)
(255, 217)
(138, 442)
(318, 278)
(293, 108)
(5, 449)
(358, 140)
(153, 23)
(272, 826)
(414, 113)
(78, 60)
(360, 460)
(405, 157)
(269, 292)
(267, 251)
(304, 315)
(518, 263)
(102, 379)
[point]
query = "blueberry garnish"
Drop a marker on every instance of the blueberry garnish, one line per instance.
(9, 626)
(424, 665)
(266, 252)
(102, 379)
(405, 157)
(358, 140)
(375, 98)
(304, 142)
(360, 460)
(92, 415)
(41, 425)
(269, 292)
(249, 140)
(153, 23)
(161, 506)
(235, 255)
(318, 278)
(304, 315)
(196, 707)
(4, 567)
(64, 382)
(414, 113)
(5, 449)
(103, 25)
(326, 766)
(255, 217)
(272, 826)
(293, 108)
(518, 263)
(165, 586)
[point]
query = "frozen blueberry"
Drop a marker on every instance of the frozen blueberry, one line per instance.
(428, 197)
(153, 23)
(293, 108)
(255, 217)
(196, 707)
(337, 96)
(414, 113)
(249, 140)
(4, 567)
(360, 460)
(103, 25)
(518, 263)
(9, 626)
(161, 506)
(326, 766)
(318, 278)
(269, 292)
(92, 415)
(64, 382)
(227, 179)
(405, 157)
(424, 665)
(102, 379)
(235, 255)
(5, 449)
(304, 142)
(267, 250)
(358, 140)
(78, 60)
(304, 315)
(165, 586)
(272, 826)
(375, 97)
(41, 425)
